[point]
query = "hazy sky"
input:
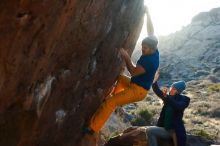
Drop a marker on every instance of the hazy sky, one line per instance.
(170, 15)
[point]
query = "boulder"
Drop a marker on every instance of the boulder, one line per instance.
(58, 60)
(136, 136)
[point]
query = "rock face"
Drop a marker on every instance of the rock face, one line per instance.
(136, 136)
(192, 52)
(58, 60)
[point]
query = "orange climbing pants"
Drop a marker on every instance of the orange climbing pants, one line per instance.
(124, 92)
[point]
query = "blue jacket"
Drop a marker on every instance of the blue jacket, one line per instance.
(178, 103)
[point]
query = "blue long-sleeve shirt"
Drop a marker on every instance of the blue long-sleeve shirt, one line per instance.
(150, 63)
(178, 103)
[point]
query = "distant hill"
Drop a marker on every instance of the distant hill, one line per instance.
(193, 52)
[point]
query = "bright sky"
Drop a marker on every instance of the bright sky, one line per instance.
(170, 15)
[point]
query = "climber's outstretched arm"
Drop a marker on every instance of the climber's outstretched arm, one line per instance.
(131, 68)
(150, 27)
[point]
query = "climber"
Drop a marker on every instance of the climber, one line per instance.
(130, 90)
(178, 103)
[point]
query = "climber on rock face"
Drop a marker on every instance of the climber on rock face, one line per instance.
(170, 123)
(128, 90)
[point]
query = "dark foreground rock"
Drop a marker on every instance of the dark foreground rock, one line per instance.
(136, 136)
(58, 60)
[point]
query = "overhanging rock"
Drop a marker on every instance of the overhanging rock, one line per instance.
(58, 60)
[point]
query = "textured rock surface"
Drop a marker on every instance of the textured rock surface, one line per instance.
(58, 60)
(136, 136)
